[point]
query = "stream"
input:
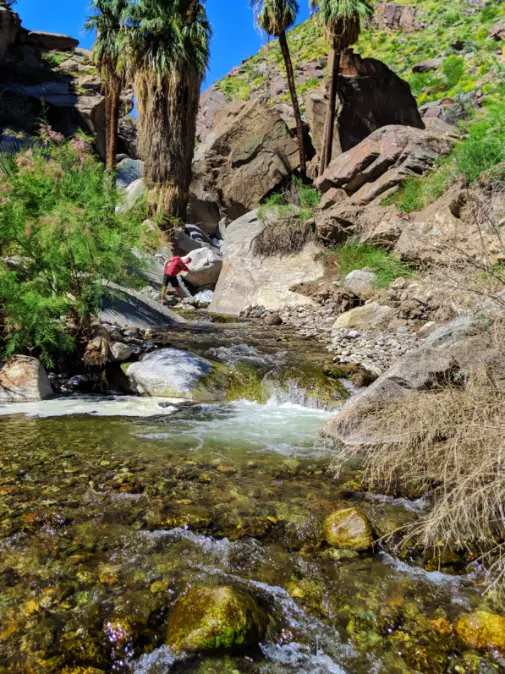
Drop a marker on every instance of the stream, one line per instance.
(112, 506)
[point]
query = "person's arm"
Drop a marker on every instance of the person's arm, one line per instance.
(184, 267)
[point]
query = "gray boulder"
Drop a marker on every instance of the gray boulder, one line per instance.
(121, 352)
(360, 282)
(205, 267)
(170, 373)
(23, 379)
(128, 308)
(247, 280)
(131, 195)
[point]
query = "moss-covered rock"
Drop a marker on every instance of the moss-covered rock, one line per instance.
(214, 618)
(348, 529)
(482, 630)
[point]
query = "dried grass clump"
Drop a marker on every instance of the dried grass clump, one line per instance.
(286, 236)
(449, 443)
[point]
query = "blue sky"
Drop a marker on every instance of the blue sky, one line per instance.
(235, 37)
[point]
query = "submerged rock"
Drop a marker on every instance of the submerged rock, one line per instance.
(482, 630)
(348, 529)
(22, 379)
(213, 618)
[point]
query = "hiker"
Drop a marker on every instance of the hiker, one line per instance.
(172, 268)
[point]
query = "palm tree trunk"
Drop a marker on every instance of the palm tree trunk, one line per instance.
(327, 149)
(113, 129)
(107, 102)
(167, 130)
(294, 99)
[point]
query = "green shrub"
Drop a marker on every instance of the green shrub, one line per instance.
(58, 217)
(309, 197)
(453, 68)
(352, 255)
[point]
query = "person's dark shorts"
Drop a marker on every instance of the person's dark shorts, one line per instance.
(172, 280)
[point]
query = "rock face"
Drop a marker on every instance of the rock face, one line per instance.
(394, 150)
(205, 268)
(212, 101)
(454, 228)
(447, 351)
(10, 26)
(248, 154)
(348, 529)
(23, 379)
(46, 75)
(170, 373)
(247, 280)
(396, 17)
(50, 41)
(213, 618)
(128, 308)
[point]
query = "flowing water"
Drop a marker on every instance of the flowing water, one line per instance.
(112, 507)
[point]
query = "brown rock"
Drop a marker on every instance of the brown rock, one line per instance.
(414, 150)
(211, 101)
(51, 41)
(452, 229)
(348, 529)
(332, 197)
(497, 32)
(397, 17)
(427, 66)
(247, 155)
(272, 319)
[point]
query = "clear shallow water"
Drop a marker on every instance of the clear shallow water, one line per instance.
(111, 508)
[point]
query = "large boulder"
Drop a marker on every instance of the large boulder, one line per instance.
(390, 147)
(205, 267)
(23, 379)
(170, 373)
(127, 171)
(247, 155)
(130, 308)
(453, 348)
(215, 618)
(247, 280)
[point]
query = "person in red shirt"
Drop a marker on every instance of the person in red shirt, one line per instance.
(172, 268)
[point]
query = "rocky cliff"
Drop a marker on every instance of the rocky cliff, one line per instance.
(45, 75)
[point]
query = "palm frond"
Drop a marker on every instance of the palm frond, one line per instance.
(275, 16)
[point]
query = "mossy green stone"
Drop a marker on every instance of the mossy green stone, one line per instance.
(215, 618)
(348, 529)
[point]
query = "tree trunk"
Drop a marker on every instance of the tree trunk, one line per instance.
(107, 102)
(167, 130)
(327, 150)
(113, 129)
(294, 99)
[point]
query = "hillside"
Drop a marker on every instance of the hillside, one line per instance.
(459, 35)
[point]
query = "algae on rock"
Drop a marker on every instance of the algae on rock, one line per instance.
(213, 618)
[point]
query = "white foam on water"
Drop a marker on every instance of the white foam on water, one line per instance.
(99, 406)
(418, 573)
(295, 658)
(286, 428)
(160, 661)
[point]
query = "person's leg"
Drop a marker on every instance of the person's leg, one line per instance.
(174, 282)
(164, 288)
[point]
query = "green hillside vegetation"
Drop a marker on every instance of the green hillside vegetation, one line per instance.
(473, 60)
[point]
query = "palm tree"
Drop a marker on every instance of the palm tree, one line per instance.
(342, 22)
(106, 21)
(275, 17)
(166, 48)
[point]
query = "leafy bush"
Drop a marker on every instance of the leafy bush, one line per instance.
(60, 229)
(352, 255)
(453, 68)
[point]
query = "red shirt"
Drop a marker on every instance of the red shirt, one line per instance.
(174, 266)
